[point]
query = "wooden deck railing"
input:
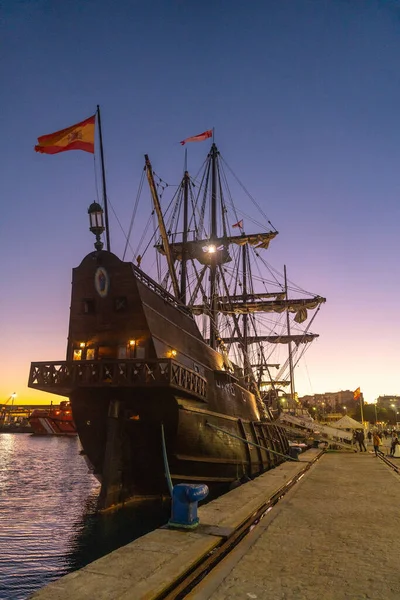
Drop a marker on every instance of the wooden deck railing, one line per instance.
(63, 377)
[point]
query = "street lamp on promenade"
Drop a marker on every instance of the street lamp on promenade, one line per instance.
(395, 413)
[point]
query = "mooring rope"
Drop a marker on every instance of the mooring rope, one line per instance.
(286, 456)
(165, 457)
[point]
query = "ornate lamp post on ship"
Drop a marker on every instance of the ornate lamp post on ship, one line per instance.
(96, 223)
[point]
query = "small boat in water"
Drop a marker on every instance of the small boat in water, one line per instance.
(54, 420)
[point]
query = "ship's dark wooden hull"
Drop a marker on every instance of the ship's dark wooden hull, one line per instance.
(122, 440)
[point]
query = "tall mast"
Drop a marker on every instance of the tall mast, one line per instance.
(185, 234)
(104, 181)
(213, 236)
(289, 342)
(161, 224)
(245, 316)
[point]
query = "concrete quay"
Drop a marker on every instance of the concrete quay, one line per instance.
(146, 567)
(334, 536)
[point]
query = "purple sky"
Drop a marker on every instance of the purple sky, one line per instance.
(304, 96)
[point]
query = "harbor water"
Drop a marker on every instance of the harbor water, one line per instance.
(48, 524)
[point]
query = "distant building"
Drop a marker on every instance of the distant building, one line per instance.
(388, 401)
(331, 401)
(333, 417)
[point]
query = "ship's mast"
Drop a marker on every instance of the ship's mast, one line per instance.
(213, 238)
(184, 236)
(161, 224)
(245, 316)
(289, 341)
(232, 311)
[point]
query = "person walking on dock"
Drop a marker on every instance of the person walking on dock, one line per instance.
(377, 442)
(369, 436)
(395, 441)
(360, 437)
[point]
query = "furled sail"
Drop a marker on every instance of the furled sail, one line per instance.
(235, 298)
(278, 306)
(208, 250)
(304, 338)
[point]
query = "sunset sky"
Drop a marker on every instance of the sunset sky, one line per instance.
(304, 96)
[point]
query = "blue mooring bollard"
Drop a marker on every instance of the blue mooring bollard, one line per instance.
(294, 452)
(185, 497)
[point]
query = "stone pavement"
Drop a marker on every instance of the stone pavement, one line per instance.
(334, 536)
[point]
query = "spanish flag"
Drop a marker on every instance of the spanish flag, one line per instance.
(76, 137)
(357, 393)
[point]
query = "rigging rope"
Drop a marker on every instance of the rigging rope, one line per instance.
(248, 194)
(139, 192)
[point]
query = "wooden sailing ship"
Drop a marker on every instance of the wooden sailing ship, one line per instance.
(185, 355)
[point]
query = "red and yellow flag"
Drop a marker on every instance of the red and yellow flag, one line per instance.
(76, 137)
(357, 393)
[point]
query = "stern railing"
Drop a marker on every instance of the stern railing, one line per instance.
(65, 376)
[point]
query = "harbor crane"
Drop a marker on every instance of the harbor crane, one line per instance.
(3, 406)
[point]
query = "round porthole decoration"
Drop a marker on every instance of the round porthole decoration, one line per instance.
(101, 282)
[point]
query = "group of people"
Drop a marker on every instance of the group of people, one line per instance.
(359, 437)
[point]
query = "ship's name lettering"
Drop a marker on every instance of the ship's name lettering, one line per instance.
(227, 387)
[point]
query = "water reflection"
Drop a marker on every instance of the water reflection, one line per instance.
(97, 535)
(48, 525)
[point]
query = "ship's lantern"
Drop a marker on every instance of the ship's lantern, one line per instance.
(132, 343)
(211, 249)
(82, 344)
(173, 353)
(96, 223)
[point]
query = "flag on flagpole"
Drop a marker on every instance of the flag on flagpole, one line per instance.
(76, 137)
(198, 138)
(356, 393)
(238, 224)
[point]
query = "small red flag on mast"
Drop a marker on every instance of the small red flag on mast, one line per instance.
(238, 224)
(198, 138)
